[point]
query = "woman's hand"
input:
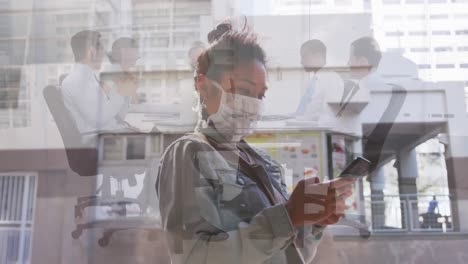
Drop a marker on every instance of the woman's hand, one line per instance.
(318, 203)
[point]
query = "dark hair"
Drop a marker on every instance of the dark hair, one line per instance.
(228, 51)
(314, 46)
(82, 41)
(219, 30)
(368, 48)
(124, 42)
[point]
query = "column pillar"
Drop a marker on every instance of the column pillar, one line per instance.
(456, 153)
(407, 167)
(377, 184)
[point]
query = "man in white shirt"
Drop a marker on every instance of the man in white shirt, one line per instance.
(364, 58)
(348, 103)
(323, 84)
(93, 106)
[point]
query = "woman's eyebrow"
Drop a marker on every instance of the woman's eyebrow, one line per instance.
(248, 81)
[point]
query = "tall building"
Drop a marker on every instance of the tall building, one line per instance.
(293, 7)
(431, 33)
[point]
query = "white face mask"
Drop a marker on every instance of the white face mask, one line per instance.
(237, 114)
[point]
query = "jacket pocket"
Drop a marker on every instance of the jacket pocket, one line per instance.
(241, 198)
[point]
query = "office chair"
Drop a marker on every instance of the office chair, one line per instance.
(83, 160)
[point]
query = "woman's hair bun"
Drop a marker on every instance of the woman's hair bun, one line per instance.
(219, 30)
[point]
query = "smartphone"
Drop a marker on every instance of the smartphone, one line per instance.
(359, 167)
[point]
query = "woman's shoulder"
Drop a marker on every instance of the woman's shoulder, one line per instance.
(188, 143)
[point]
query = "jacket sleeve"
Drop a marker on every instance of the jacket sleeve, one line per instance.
(195, 227)
(307, 241)
(308, 237)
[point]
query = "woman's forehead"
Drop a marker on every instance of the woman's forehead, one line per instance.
(253, 72)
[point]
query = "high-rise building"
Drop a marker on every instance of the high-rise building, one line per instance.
(432, 33)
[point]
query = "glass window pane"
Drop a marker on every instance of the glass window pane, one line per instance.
(113, 148)
(136, 148)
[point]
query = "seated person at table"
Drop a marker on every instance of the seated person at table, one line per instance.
(93, 106)
(323, 84)
(124, 56)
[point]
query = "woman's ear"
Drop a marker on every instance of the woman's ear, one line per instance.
(201, 86)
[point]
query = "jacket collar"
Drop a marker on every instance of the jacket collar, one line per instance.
(230, 149)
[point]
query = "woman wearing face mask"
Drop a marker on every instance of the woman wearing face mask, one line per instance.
(221, 200)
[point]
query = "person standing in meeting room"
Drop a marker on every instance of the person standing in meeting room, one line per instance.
(93, 106)
(221, 198)
(322, 83)
(364, 58)
(124, 56)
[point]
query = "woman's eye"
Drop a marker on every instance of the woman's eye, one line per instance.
(244, 91)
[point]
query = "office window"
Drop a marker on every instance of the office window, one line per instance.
(414, 1)
(419, 49)
(13, 25)
(394, 34)
(162, 12)
(180, 41)
(343, 2)
(461, 16)
(418, 33)
(462, 32)
(391, 2)
(113, 148)
(10, 81)
(437, 1)
(416, 17)
(162, 42)
(392, 18)
(441, 32)
(15, 103)
(443, 49)
(119, 148)
(424, 66)
(396, 50)
(445, 66)
(438, 16)
(136, 147)
(62, 44)
(464, 48)
(12, 51)
(305, 2)
(182, 10)
(464, 65)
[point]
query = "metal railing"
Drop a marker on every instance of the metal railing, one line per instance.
(409, 213)
(17, 199)
(15, 245)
